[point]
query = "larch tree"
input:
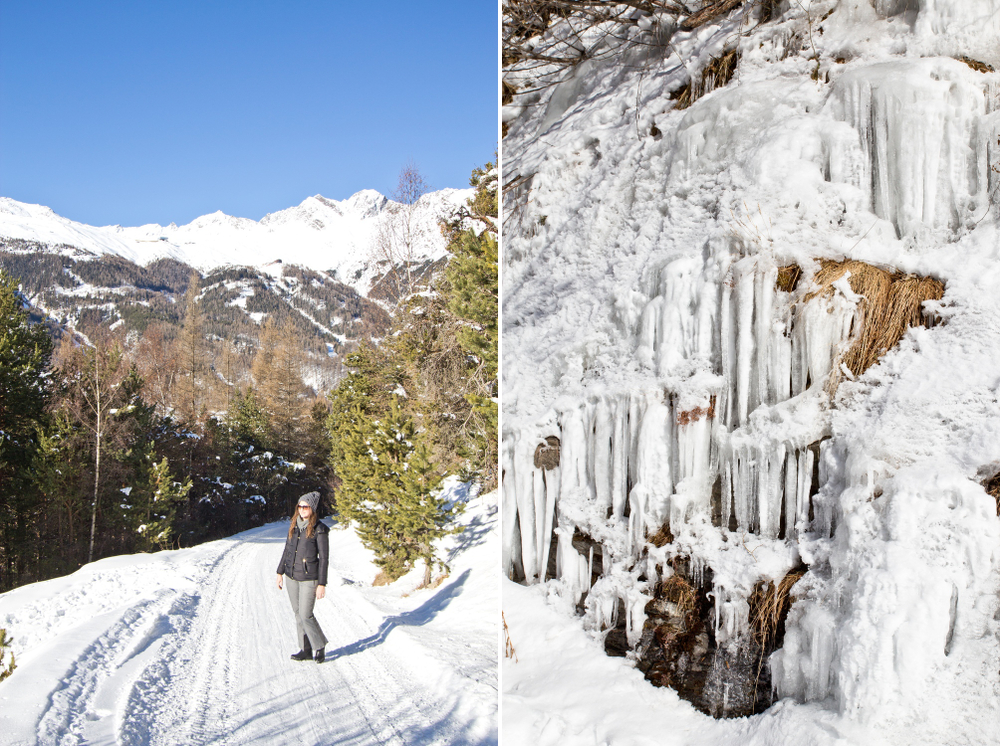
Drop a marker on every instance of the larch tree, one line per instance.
(277, 372)
(192, 355)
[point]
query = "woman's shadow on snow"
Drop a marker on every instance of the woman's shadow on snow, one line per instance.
(415, 618)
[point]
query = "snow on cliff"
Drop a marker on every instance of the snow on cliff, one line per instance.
(648, 338)
(319, 233)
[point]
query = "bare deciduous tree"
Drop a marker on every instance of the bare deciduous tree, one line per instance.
(400, 232)
(101, 382)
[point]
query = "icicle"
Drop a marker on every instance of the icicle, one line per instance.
(744, 336)
(649, 499)
(621, 445)
(603, 430)
(805, 487)
(727, 342)
(791, 491)
(727, 489)
(541, 518)
(511, 552)
(552, 480)
(524, 450)
(763, 301)
(772, 458)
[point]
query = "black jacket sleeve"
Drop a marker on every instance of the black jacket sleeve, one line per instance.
(284, 557)
(323, 553)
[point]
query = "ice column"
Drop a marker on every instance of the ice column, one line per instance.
(921, 133)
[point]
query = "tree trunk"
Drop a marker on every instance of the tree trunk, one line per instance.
(97, 479)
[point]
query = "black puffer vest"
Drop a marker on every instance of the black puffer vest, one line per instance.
(307, 558)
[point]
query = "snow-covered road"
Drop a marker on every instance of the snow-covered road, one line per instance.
(192, 647)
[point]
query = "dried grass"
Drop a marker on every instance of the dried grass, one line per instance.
(708, 13)
(769, 605)
(717, 73)
(980, 67)
(788, 278)
(547, 453)
(892, 303)
(381, 579)
(678, 591)
(662, 537)
(508, 649)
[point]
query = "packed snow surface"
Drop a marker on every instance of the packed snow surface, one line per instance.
(192, 647)
(645, 328)
(322, 234)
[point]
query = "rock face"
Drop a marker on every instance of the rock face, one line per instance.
(764, 330)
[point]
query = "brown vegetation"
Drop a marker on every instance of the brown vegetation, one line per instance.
(547, 453)
(980, 67)
(693, 415)
(892, 302)
(769, 604)
(508, 648)
(717, 73)
(992, 487)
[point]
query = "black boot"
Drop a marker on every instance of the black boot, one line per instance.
(320, 655)
(306, 653)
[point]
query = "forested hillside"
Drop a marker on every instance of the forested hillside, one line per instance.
(156, 406)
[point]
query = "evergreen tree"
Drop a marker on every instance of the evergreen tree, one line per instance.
(247, 420)
(472, 293)
(8, 669)
(157, 503)
(59, 479)
(388, 487)
(25, 352)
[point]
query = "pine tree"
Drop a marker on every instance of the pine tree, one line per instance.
(157, 503)
(6, 670)
(58, 477)
(473, 296)
(248, 421)
(388, 487)
(25, 353)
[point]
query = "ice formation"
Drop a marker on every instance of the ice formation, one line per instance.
(650, 333)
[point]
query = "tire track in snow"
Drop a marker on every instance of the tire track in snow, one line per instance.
(231, 681)
(210, 666)
(85, 706)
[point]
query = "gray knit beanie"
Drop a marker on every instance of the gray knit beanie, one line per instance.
(310, 498)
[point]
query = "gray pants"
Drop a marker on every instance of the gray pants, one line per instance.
(302, 594)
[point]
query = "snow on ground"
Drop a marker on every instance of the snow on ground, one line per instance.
(562, 690)
(192, 647)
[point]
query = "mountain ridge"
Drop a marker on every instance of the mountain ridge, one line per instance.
(320, 234)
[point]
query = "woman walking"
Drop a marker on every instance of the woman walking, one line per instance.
(305, 562)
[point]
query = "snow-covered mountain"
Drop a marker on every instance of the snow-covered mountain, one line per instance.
(751, 360)
(319, 234)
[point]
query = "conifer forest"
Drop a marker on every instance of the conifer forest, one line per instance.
(178, 418)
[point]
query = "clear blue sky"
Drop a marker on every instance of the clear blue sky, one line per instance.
(160, 111)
